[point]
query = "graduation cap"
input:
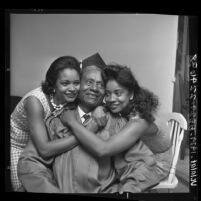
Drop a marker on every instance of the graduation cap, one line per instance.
(93, 60)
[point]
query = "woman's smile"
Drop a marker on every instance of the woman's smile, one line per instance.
(117, 97)
(71, 95)
(113, 106)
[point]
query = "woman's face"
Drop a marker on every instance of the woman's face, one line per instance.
(116, 97)
(67, 86)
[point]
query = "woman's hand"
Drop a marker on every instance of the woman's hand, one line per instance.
(100, 116)
(133, 116)
(68, 117)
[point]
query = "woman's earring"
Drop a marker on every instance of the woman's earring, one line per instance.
(104, 101)
(131, 98)
(81, 64)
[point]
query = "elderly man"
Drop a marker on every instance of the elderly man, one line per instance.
(78, 171)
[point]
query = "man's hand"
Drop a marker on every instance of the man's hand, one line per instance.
(92, 125)
(100, 116)
(134, 116)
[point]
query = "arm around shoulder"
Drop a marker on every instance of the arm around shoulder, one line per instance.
(157, 137)
(46, 148)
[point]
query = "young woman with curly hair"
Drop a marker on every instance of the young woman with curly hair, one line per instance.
(31, 149)
(131, 128)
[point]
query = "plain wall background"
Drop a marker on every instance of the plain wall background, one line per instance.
(145, 42)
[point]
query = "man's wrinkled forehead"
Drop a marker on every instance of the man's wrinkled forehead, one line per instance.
(92, 72)
(91, 68)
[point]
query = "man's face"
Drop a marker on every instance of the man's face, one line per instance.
(92, 89)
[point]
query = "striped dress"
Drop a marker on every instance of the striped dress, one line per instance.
(19, 131)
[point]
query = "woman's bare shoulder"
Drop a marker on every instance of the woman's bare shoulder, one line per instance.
(33, 104)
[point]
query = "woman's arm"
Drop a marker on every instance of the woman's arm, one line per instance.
(118, 143)
(46, 148)
(157, 138)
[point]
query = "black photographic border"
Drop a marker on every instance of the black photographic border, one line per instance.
(192, 124)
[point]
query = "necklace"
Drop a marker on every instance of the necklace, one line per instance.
(56, 107)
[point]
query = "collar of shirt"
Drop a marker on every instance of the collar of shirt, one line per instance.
(82, 113)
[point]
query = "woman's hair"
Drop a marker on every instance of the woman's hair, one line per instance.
(61, 63)
(144, 102)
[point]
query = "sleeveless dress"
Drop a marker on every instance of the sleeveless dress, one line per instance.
(20, 135)
(138, 168)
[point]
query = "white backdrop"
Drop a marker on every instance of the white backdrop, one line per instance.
(145, 42)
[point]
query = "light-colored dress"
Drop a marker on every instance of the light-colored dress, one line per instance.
(20, 135)
(138, 168)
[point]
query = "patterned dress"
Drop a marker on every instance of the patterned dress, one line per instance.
(20, 135)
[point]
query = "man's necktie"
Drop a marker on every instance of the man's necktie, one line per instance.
(86, 118)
